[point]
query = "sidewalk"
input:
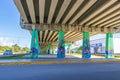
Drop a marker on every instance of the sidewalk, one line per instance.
(92, 56)
(56, 61)
(51, 59)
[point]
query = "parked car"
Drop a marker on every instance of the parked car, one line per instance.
(8, 52)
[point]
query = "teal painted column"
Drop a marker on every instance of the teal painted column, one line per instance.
(49, 48)
(35, 47)
(37, 41)
(61, 45)
(86, 45)
(109, 45)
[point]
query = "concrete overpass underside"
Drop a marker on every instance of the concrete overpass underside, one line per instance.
(70, 16)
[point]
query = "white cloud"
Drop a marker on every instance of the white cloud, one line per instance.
(8, 41)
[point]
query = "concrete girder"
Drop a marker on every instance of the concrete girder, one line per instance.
(21, 10)
(117, 6)
(53, 36)
(49, 35)
(74, 8)
(114, 23)
(41, 10)
(31, 10)
(66, 28)
(109, 17)
(84, 9)
(114, 19)
(62, 10)
(52, 10)
(45, 35)
(99, 10)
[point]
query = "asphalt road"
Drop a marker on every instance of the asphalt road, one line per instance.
(78, 71)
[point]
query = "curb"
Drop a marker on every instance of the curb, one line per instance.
(57, 62)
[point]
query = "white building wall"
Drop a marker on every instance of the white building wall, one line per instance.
(116, 42)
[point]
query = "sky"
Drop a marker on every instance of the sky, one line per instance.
(9, 24)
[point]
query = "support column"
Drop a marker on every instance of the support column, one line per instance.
(86, 45)
(52, 50)
(109, 45)
(61, 45)
(35, 47)
(49, 48)
(68, 48)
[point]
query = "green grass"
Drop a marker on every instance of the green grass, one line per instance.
(18, 57)
(13, 57)
(117, 56)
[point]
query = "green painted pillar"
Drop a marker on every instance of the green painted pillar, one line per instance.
(61, 45)
(35, 47)
(109, 45)
(49, 48)
(86, 45)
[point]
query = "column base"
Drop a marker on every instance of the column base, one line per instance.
(33, 56)
(48, 51)
(86, 56)
(109, 56)
(60, 55)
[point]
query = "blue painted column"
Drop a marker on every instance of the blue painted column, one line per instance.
(86, 45)
(35, 47)
(61, 45)
(109, 45)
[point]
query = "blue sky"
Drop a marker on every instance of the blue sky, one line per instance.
(9, 22)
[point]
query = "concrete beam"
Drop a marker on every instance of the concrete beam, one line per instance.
(109, 17)
(49, 35)
(109, 11)
(113, 23)
(74, 8)
(53, 36)
(114, 19)
(62, 10)
(53, 43)
(66, 28)
(52, 10)
(21, 10)
(84, 9)
(99, 10)
(45, 35)
(31, 10)
(41, 10)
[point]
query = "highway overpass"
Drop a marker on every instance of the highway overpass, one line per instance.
(56, 22)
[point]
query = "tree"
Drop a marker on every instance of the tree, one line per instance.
(80, 48)
(25, 49)
(16, 48)
(3, 48)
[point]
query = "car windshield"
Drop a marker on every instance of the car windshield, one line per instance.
(8, 51)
